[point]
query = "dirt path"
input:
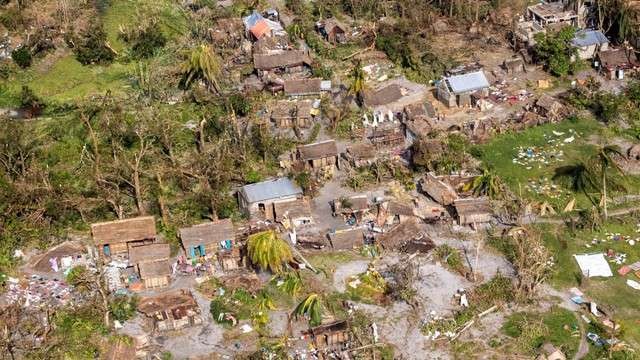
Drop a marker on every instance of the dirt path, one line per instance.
(583, 348)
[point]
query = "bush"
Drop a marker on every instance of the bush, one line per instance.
(123, 307)
(29, 100)
(91, 46)
(147, 41)
(22, 56)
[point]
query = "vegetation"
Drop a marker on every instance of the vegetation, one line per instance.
(311, 308)
(90, 46)
(556, 52)
(22, 56)
(201, 64)
(267, 250)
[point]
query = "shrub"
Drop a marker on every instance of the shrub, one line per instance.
(91, 46)
(29, 100)
(22, 56)
(123, 307)
(147, 41)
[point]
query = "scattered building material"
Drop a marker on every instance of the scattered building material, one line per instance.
(514, 65)
(245, 279)
(333, 336)
(61, 257)
(287, 61)
(549, 352)
(171, 311)
(438, 190)
(547, 106)
(258, 27)
(203, 240)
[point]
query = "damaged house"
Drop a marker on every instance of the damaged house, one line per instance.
(360, 155)
(293, 213)
(257, 27)
(320, 156)
(117, 237)
(331, 337)
(552, 13)
(306, 87)
(387, 138)
(212, 238)
(256, 200)
(473, 211)
(457, 90)
(282, 62)
(294, 114)
(407, 237)
(347, 239)
(615, 63)
(550, 108)
(353, 209)
(333, 31)
(394, 212)
(443, 193)
(171, 311)
(392, 96)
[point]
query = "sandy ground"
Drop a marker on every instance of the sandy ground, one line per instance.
(344, 271)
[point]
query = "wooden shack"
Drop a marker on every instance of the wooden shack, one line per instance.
(348, 239)
(155, 274)
(473, 211)
(360, 155)
(291, 114)
(333, 31)
(407, 236)
(333, 336)
(171, 311)
(115, 237)
(319, 156)
(203, 240)
(438, 190)
(149, 253)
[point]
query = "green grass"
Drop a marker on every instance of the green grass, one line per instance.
(500, 152)
(612, 292)
(68, 80)
(529, 331)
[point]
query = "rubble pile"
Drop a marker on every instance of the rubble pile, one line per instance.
(38, 292)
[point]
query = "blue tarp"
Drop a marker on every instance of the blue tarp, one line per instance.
(251, 20)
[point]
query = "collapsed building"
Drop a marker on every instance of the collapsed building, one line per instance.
(171, 311)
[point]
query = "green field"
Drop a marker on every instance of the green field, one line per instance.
(60, 78)
(611, 292)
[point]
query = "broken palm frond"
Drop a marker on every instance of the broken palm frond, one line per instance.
(311, 308)
(546, 209)
(571, 205)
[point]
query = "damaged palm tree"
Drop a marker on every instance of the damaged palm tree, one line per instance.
(311, 308)
(531, 260)
(267, 250)
(400, 278)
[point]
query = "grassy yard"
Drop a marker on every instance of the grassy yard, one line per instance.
(528, 331)
(612, 292)
(500, 153)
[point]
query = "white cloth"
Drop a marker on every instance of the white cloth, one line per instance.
(593, 265)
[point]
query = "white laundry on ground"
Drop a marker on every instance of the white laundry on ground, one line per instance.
(593, 265)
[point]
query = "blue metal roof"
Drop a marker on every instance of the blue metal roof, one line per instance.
(467, 82)
(586, 38)
(270, 189)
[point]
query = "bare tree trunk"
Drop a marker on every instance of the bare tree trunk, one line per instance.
(138, 192)
(164, 211)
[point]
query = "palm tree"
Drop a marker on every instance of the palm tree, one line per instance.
(603, 162)
(488, 184)
(202, 64)
(269, 251)
(580, 177)
(310, 307)
(358, 82)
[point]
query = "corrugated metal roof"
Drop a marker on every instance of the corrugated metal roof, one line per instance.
(467, 82)
(270, 189)
(586, 38)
